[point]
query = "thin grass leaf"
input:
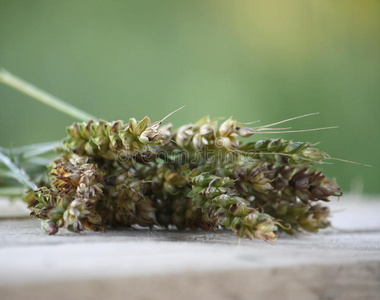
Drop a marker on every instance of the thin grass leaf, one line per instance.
(36, 149)
(5, 173)
(42, 96)
(37, 161)
(19, 173)
(11, 191)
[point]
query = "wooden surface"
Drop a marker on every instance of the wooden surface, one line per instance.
(342, 262)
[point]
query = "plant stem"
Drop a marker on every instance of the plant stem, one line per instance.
(42, 96)
(19, 174)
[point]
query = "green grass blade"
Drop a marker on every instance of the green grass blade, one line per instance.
(5, 173)
(36, 149)
(19, 173)
(11, 191)
(42, 96)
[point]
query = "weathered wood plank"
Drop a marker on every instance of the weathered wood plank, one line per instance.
(339, 263)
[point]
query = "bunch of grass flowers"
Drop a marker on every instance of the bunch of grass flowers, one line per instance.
(70, 201)
(201, 175)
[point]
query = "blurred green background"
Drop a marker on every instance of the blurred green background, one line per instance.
(255, 60)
